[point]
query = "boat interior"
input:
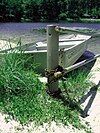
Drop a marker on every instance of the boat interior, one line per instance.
(64, 42)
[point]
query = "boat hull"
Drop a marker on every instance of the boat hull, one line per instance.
(69, 52)
(67, 57)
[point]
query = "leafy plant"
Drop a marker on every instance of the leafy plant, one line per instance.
(23, 97)
(13, 78)
(76, 84)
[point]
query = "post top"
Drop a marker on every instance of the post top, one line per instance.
(52, 25)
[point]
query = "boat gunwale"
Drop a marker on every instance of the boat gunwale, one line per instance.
(65, 49)
(41, 51)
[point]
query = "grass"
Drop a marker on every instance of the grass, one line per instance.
(76, 84)
(23, 97)
(82, 20)
(90, 20)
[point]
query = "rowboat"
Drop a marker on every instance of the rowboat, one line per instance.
(71, 47)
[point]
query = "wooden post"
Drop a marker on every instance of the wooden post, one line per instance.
(52, 56)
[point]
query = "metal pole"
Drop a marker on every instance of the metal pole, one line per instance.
(52, 56)
(82, 63)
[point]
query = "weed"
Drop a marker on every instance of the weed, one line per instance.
(76, 84)
(23, 96)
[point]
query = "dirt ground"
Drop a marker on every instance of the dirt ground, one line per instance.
(91, 100)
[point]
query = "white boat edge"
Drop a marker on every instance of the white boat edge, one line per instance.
(70, 55)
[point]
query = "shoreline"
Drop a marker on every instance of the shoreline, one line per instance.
(81, 20)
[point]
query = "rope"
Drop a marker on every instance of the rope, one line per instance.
(69, 30)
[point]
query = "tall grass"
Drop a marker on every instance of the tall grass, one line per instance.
(24, 98)
(13, 78)
(76, 84)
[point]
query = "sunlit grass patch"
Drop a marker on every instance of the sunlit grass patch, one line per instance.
(76, 84)
(23, 97)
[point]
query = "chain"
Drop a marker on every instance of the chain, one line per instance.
(55, 74)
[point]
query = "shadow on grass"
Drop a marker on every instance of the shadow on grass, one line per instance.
(67, 101)
(73, 104)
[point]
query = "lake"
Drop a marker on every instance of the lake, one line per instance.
(38, 25)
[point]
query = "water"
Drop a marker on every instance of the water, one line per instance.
(29, 26)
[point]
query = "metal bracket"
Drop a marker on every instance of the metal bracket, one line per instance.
(54, 75)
